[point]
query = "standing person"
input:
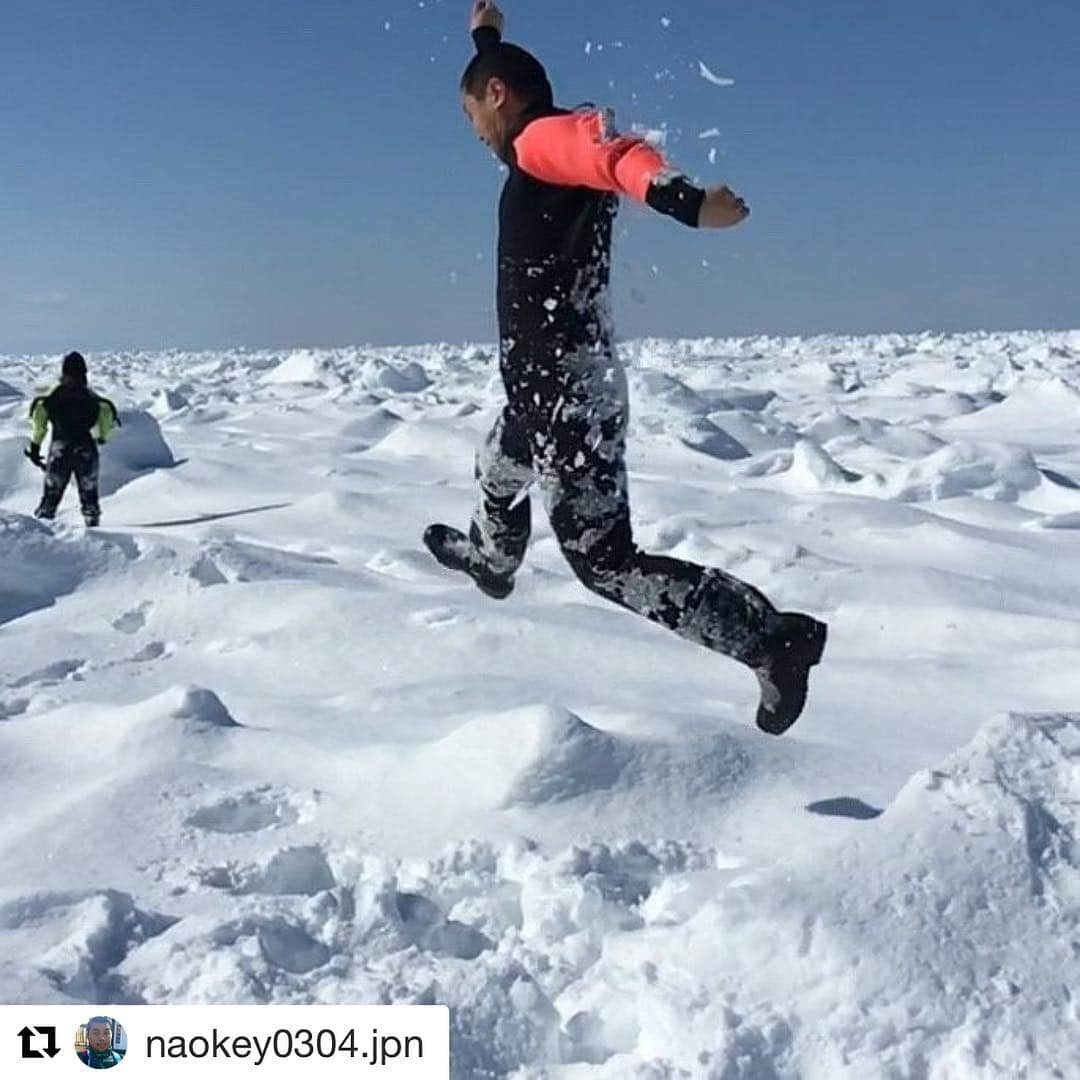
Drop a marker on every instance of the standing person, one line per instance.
(566, 414)
(81, 422)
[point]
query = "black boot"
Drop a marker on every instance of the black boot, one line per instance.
(791, 651)
(455, 551)
(45, 513)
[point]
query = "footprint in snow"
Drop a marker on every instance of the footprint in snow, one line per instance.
(250, 812)
(14, 707)
(131, 622)
(155, 650)
(51, 674)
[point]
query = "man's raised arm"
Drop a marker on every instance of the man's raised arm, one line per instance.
(486, 24)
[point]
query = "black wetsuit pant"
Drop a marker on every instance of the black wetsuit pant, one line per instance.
(568, 431)
(67, 458)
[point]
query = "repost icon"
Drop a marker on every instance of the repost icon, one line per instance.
(38, 1042)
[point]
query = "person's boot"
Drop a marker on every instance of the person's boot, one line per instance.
(792, 649)
(454, 550)
(45, 512)
(92, 518)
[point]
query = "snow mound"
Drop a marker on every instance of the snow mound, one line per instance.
(146, 728)
(171, 400)
(807, 467)
(531, 756)
(407, 378)
(136, 448)
(369, 941)
(198, 708)
(673, 404)
(586, 957)
(836, 426)
(17, 477)
(1031, 406)
(440, 440)
(812, 469)
(988, 470)
(974, 870)
(228, 560)
(9, 392)
(759, 432)
(369, 429)
(705, 436)
(61, 946)
(292, 871)
(304, 367)
(37, 567)
(1068, 520)
(667, 394)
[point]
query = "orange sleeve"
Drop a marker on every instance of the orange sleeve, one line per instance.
(577, 150)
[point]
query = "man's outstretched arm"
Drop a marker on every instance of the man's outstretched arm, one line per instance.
(703, 207)
(579, 150)
(718, 208)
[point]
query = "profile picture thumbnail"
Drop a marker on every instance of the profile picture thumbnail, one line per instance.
(101, 1042)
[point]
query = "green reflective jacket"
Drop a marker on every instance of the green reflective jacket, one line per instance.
(106, 423)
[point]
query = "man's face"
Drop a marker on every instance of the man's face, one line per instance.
(99, 1037)
(486, 113)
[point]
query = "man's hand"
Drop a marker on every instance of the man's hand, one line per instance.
(486, 13)
(721, 209)
(33, 452)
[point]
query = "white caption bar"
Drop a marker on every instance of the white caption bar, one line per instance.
(271, 1042)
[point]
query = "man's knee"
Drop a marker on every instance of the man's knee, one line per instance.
(501, 476)
(600, 562)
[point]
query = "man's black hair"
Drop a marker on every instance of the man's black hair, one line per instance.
(99, 1020)
(515, 66)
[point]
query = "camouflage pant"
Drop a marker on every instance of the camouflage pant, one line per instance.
(65, 459)
(576, 449)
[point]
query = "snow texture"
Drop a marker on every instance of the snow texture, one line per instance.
(259, 747)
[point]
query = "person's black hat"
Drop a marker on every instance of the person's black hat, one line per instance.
(73, 364)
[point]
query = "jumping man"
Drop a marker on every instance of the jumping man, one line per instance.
(565, 420)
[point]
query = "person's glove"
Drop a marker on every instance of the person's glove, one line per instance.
(100, 442)
(33, 452)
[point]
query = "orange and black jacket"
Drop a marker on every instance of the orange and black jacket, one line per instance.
(566, 173)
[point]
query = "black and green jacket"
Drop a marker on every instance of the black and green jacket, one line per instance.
(76, 413)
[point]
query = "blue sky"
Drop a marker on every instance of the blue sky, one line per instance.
(204, 174)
